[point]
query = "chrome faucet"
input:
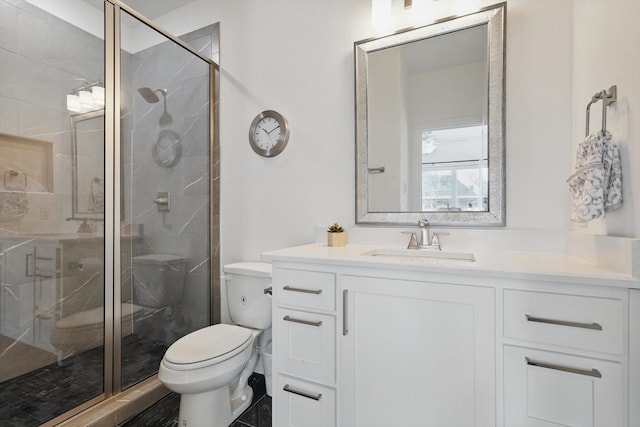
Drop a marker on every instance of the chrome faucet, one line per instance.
(424, 239)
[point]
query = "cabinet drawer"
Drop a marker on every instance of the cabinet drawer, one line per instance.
(306, 289)
(550, 389)
(574, 321)
(305, 344)
(300, 403)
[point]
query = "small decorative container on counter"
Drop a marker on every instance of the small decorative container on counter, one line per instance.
(336, 236)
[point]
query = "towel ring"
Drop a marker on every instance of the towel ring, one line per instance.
(608, 98)
(13, 173)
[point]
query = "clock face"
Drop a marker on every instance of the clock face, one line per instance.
(166, 150)
(269, 133)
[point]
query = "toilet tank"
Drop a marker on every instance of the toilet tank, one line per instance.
(158, 279)
(248, 303)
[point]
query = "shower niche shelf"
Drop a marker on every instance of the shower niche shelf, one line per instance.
(26, 164)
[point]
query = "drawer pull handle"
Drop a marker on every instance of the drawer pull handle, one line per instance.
(345, 307)
(593, 326)
(304, 291)
(302, 393)
(592, 373)
(304, 322)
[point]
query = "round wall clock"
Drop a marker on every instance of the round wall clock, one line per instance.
(166, 150)
(269, 133)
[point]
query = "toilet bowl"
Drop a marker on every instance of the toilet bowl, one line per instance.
(85, 330)
(210, 367)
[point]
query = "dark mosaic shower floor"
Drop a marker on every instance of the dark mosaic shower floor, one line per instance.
(36, 397)
(165, 412)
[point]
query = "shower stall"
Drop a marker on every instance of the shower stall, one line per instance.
(109, 201)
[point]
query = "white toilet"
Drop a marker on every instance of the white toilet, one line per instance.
(211, 366)
(158, 281)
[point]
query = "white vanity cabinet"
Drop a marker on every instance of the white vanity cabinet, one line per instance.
(381, 351)
(540, 342)
(564, 361)
(304, 332)
(416, 353)
(30, 289)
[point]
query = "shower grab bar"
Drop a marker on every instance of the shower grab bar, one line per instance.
(608, 98)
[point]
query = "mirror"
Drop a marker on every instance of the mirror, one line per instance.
(430, 123)
(87, 149)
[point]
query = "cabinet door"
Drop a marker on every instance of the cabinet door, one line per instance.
(416, 354)
(18, 292)
(545, 389)
(306, 344)
(300, 403)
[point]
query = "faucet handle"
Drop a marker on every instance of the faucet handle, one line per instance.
(435, 239)
(413, 240)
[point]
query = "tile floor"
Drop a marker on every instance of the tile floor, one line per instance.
(33, 398)
(165, 412)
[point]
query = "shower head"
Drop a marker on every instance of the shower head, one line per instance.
(149, 94)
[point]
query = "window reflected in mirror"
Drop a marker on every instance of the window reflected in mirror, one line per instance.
(429, 123)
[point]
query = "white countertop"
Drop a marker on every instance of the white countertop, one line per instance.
(504, 264)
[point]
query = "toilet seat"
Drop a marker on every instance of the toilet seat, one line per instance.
(207, 346)
(84, 330)
(95, 317)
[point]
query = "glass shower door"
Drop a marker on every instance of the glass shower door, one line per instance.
(166, 152)
(52, 86)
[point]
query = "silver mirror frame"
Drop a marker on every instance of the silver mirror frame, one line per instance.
(76, 211)
(495, 18)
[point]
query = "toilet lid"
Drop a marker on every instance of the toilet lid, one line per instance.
(158, 259)
(207, 343)
(95, 316)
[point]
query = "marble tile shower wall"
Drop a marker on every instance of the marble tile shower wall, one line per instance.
(182, 230)
(42, 58)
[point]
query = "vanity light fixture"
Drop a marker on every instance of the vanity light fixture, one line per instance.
(89, 97)
(73, 103)
(86, 100)
(97, 93)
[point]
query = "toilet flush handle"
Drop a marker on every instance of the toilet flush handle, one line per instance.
(269, 290)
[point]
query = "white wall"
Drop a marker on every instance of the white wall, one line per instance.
(606, 35)
(296, 56)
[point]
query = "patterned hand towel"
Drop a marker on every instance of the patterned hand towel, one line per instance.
(596, 184)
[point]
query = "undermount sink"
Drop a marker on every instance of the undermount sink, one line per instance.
(417, 253)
